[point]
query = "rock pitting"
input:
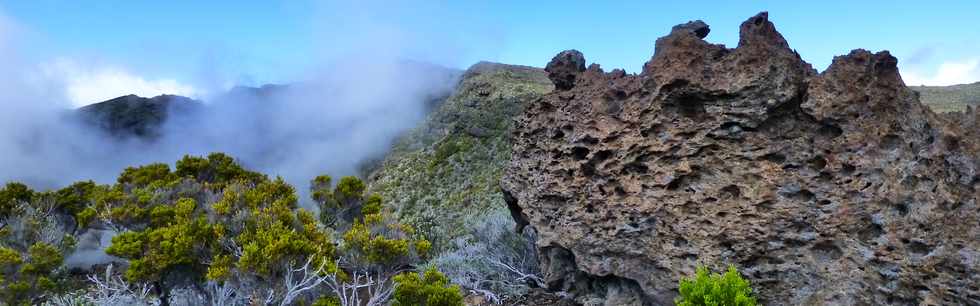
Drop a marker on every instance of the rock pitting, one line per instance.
(832, 188)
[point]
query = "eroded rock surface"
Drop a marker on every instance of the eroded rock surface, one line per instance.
(837, 188)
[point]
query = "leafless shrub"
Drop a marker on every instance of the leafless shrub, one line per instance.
(494, 260)
(378, 288)
(109, 290)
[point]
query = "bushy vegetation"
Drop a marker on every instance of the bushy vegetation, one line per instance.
(493, 260)
(447, 171)
(212, 232)
(429, 288)
(713, 289)
(949, 98)
(33, 244)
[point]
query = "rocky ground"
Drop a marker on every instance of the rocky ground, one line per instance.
(832, 188)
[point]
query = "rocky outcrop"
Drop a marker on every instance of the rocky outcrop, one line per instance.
(831, 188)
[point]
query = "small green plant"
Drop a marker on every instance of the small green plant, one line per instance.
(713, 289)
(429, 289)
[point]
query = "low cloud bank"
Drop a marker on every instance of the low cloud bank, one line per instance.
(346, 111)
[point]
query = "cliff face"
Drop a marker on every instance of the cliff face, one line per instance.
(835, 188)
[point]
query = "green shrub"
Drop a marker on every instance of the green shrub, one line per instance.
(430, 289)
(713, 289)
(85, 217)
(27, 277)
(145, 175)
(217, 168)
(350, 188)
(327, 301)
(10, 195)
(74, 198)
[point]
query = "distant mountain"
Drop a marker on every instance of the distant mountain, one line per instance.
(949, 98)
(132, 115)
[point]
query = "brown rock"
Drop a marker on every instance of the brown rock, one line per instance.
(564, 68)
(836, 188)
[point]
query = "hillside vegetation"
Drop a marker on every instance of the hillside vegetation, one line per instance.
(211, 232)
(445, 172)
(949, 98)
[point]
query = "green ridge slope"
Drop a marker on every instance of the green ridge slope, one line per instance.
(949, 98)
(445, 172)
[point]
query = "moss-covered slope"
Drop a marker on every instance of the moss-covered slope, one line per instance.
(446, 171)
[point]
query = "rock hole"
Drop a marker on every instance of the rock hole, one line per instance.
(558, 135)
(818, 163)
(952, 143)
(544, 107)
(825, 177)
(579, 153)
(890, 142)
(919, 248)
(653, 130)
(620, 191)
(691, 107)
(602, 155)
(870, 232)
(830, 131)
(589, 140)
(637, 167)
(806, 195)
(680, 242)
(732, 191)
(774, 157)
(588, 169)
(902, 209)
(826, 251)
(847, 169)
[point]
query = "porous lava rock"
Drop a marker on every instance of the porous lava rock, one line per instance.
(830, 188)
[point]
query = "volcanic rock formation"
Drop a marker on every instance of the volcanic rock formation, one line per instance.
(832, 188)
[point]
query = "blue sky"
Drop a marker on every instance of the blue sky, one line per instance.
(190, 43)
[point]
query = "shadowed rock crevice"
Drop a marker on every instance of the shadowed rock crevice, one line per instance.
(835, 188)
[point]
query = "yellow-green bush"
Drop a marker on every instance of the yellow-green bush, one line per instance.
(713, 289)
(25, 277)
(432, 288)
(11, 194)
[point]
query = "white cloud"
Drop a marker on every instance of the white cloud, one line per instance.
(949, 73)
(85, 85)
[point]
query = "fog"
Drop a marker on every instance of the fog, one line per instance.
(345, 109)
